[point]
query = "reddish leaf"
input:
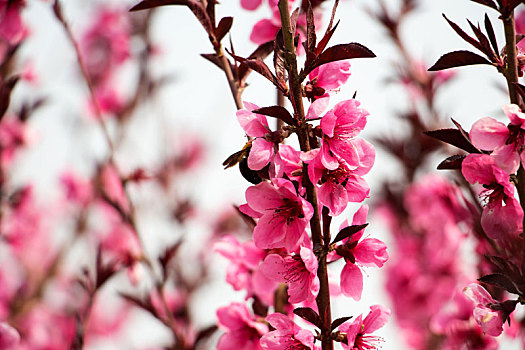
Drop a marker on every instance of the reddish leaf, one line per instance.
(278, 112)
(491, 34)
(311, 38)
(324, 41)
(520, 89)
(458, 59)
(5, 94)
(149, 4)
(483, 42)
(500, 280)
(212, 58)
(489, 3)
(223, 27)
(510, 5)
(261, 68)
(195, 7)
(348, 232)
(260, 53)
(464, 35)
(332, 17)
(336, 323)
(309, 315)
(167, 256)
(453, 137)
(465, 134)
(293, 20)
(278, 58)
(210, 11)
(343, 52)
(452, 163)
(505, 266)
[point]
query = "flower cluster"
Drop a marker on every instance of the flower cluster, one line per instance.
(281, 267)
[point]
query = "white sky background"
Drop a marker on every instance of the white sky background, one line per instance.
(199, 100)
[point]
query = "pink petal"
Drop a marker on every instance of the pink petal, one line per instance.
(357, 189)
(246, 209)
(327, 157)
(254, 125)
(478, 168)
(490, 321)
(488, 133)
(309, 259)
(263, 197)
(371, 251)
(507, 158)
(478, 294)
(233, 316)
(367, 156)
(250, 5)
(376, 319)
(515, 115)
(263, 31)
(280, 322)
(260, 154)
(273, 267)
(306, 337)
(317, 108)
(270, 232)
(328, 123)
(332, 75)
(500, 221)
(333, 196)
(9, 336)
(295, 234)
(352, 281)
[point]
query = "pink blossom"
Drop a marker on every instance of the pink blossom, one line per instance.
(121, 244)
(250, 5)
(77, 189)
(520, 28)
(287, 335)
(112, 187)
(12, 138)
(358, 331)
(266, 147)
(107, 318)
(327, 78)
(490, 321)
(457, 327)
(433, 198)
(12, 30)
(366, 252)
(105, 45)
(256, 125)
(340, 126)
(108, 100)
(339, 186)
(266, 29)
(25, 230)
(506, 142)
(9, 336)
(283, 215)
(242, 331)
(298, 271)
(168, 300)
(45, 328)
(502, 215)
(244, 271)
